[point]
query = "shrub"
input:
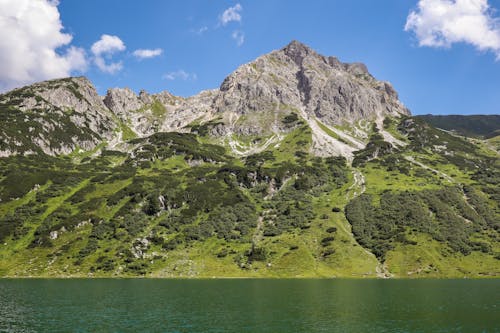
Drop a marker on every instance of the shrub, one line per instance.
(327, 252)
(327, 241)
(331, 230)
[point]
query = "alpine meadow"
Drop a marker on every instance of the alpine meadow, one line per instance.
(299, 165)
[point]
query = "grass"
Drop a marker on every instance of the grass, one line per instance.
(127, 132)
(158, 109)
(331, 133)
(427, 259)
(293, 253)
(300, 139)
(10, 206)
(378, 180)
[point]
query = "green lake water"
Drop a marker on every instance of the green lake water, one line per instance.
(150, 305)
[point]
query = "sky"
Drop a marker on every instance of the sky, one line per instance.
(442, 56)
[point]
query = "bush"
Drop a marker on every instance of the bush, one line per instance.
(152, 205)
(327, 241)
(439, 213)
(257, 254)
(331, 230)
(327, 252)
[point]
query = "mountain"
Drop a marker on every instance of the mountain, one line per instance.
(60, 116)
(54, 117)
(299, 165)
(476, 126)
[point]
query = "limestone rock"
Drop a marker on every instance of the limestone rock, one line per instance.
(251, 101)
(123, 100)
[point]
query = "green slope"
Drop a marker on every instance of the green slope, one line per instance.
(177, 206)
(476, 126)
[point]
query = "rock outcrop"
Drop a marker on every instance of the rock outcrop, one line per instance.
(54, 117)
(122, 101)
(253, 100)
(297, 78)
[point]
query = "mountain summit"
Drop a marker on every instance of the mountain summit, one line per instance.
(321, 90)
(252, 101)
(299, 165)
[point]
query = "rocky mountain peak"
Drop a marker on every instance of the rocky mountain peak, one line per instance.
(145, 97)
(321, 90)
(357, 68)
(58, 117)
(254, 100)
(300, 78)
(75, 92)
(122, 100)
(297, 51)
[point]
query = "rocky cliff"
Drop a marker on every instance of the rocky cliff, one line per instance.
(54, 117)
(337, 101)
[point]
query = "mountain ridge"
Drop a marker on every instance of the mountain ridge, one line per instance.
(298, 166)
(477, 126)
(294, 79)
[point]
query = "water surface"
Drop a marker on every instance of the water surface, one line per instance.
(144, 305)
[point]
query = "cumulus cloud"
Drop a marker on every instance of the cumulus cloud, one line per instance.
(105, 47)
(107, 44)
(231, 14)
(441, 23)
(180, 75)
(147, 53)
(33, 46)
(239, 37)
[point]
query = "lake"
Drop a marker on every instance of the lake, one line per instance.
(249, 305)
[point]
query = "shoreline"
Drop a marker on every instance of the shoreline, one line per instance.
(488, 277)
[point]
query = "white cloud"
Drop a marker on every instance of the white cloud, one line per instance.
(77, 57)
(105, 47)
(31, 39)
(110, 68)
(147, 53)
(201, 30)
(181, 75)
(441, 23)
(239, 37)
(231, 14)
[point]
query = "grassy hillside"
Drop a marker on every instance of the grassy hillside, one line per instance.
(476, 126)
(176, 205)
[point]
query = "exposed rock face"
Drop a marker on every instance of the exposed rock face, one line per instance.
(54, 117)
(80, 97)
(121, 101)
(296, 77)
(253, 100)
(133, 111)
(183, 111)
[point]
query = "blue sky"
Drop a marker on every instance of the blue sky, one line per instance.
(442, 56)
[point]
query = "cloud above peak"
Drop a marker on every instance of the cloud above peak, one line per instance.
(147, 53)
(442, 23)
(231, 14)
(33, 46)
(180, 75)
(106, 46)
(239, 37)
